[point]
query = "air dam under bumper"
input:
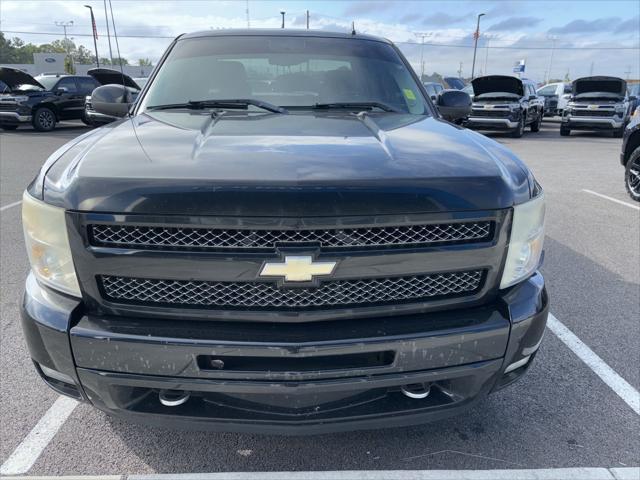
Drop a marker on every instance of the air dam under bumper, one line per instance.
(488, 123)
(301, 378)
(592, 123)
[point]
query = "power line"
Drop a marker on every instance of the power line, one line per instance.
(492, 47)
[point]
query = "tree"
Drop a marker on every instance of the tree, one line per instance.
(144, 62)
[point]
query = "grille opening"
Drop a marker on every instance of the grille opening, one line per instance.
(187, 238)
(295, 364)
(264, 296)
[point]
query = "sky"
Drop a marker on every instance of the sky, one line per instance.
(597, 37)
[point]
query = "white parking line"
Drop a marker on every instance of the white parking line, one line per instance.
(625, 391)
(606, 197)
(26, 454)
(11, 205)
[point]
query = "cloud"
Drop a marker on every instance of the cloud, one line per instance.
(514, 23)
(444, 19)
(631, 25)
(362, 8)
(608, 24)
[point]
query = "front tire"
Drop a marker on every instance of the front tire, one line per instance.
(632, 175)
(519, 131)
(565, 132)
(535, 126)
(44, 120)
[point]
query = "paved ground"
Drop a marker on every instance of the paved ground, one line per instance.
(560, 415)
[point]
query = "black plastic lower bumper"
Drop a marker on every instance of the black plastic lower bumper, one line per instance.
(291, 379)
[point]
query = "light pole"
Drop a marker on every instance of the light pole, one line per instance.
(95, 42)
(553, 47)
(475, 47)
(64, 26)
(423, 35)
(282, 12)
(106, 18)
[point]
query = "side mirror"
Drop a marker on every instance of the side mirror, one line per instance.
(532, 97)
(112, 100)
(454, 105)
(60, 90)
(632, 98)
(434, 97)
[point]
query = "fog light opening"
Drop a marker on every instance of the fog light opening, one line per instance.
(416, 390)
(515, 365)
(173, 398)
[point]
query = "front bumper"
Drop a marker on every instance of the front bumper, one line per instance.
(13, 118)
(285, 378)
(592, 123)
(488, 123)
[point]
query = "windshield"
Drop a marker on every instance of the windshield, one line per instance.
(548, 90)
(48, 82)
(287, 71)
(497, 95)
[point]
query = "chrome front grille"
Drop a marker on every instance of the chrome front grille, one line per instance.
(183, 238)
(260, 296)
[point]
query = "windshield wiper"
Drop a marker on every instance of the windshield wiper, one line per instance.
(225, 104)
(356, 105)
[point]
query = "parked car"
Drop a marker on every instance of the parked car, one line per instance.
(630, 156)
(42, 101)
(454, 83)
(597, 103)
(288, 262)
(556, 96)
(433, 89)
(106, 76)
(503, 102)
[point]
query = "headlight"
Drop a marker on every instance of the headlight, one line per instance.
(45, 233)
(525, 245)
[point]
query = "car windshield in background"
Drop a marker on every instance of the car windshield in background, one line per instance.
(48, 82)
(287, 71)
(498, 95)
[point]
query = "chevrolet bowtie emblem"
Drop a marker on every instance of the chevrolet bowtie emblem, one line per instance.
(297, 268)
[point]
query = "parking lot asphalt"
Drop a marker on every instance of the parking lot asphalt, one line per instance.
(560, 415)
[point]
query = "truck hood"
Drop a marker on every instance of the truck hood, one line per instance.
(190, 163)
(594, 87)
(497, 83)
(106, 76)
(14, 78)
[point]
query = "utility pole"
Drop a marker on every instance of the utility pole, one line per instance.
(422, 35)
(591, 70)
(95, 35)
(106, 17)
(486, 57)
(476, 35)
(628, 71)
(460, 70)
(307, 19)
(553, 47)
(247, 12)
(282, 13)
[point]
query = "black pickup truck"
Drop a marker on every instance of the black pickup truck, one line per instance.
(42, 101)
(501, 102)
(290, 239)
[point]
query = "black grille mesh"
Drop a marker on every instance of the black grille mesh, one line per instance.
(250, 295)
(149, 237)
(593, 113)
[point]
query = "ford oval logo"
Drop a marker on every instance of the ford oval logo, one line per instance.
(50, 60)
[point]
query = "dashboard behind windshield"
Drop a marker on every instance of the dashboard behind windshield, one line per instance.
(288, 71)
